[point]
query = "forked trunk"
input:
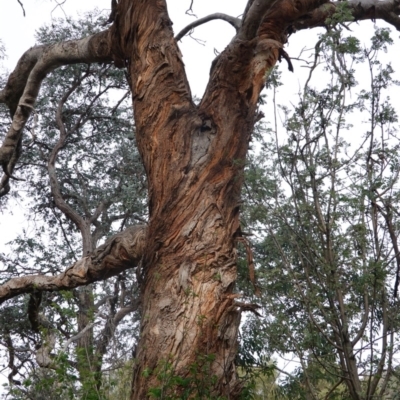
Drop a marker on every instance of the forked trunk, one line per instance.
(194, 159)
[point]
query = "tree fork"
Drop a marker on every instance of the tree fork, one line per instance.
(194, 159)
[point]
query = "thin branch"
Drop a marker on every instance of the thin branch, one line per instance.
(22, 6)
(235, 22)
(333, 388)
(189, 11)
(59, 5)
(78, 335)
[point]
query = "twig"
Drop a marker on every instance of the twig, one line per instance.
(189, 11)
(22, 6)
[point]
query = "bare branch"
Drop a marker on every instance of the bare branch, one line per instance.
(122, 251)
(235, 22)
(22, 6)
(78, 335)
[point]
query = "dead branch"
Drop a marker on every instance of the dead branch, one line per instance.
(22, 6)
(235, 22)
(122, 251)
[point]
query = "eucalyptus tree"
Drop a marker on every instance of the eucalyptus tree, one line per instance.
(194, 156)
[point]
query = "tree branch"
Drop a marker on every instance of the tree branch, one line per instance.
(78, 335)
(24, 83)
(235, 22)
(59, 200)
(22, 6)
(120, 252)
(253, 15)
(387, 10)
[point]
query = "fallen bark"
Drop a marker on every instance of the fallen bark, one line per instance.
(120, 252)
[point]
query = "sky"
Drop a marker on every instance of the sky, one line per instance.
(17, 31)
(17, 35)
(197, 57)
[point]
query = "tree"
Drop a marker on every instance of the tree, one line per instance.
(194, 158)
(72, 126)
(322, 203)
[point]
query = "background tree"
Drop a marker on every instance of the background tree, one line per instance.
(328, 247)
(78, 141)
(194, 158)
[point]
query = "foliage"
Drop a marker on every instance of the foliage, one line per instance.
(198, 384)
(81, 140)
(322, 210)
(323, 213)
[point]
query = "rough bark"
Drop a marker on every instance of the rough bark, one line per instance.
(122, 251)
(194, 159)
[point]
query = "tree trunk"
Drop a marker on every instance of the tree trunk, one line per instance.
(84, 345)
(194, 159)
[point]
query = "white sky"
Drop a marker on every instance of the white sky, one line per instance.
(16, 33)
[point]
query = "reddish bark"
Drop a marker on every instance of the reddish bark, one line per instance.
(194, 159)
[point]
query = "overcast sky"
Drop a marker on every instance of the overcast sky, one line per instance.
(17, 31)
(17, 35)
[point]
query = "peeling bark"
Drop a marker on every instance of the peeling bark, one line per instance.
(194, 159)
(122, 251)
